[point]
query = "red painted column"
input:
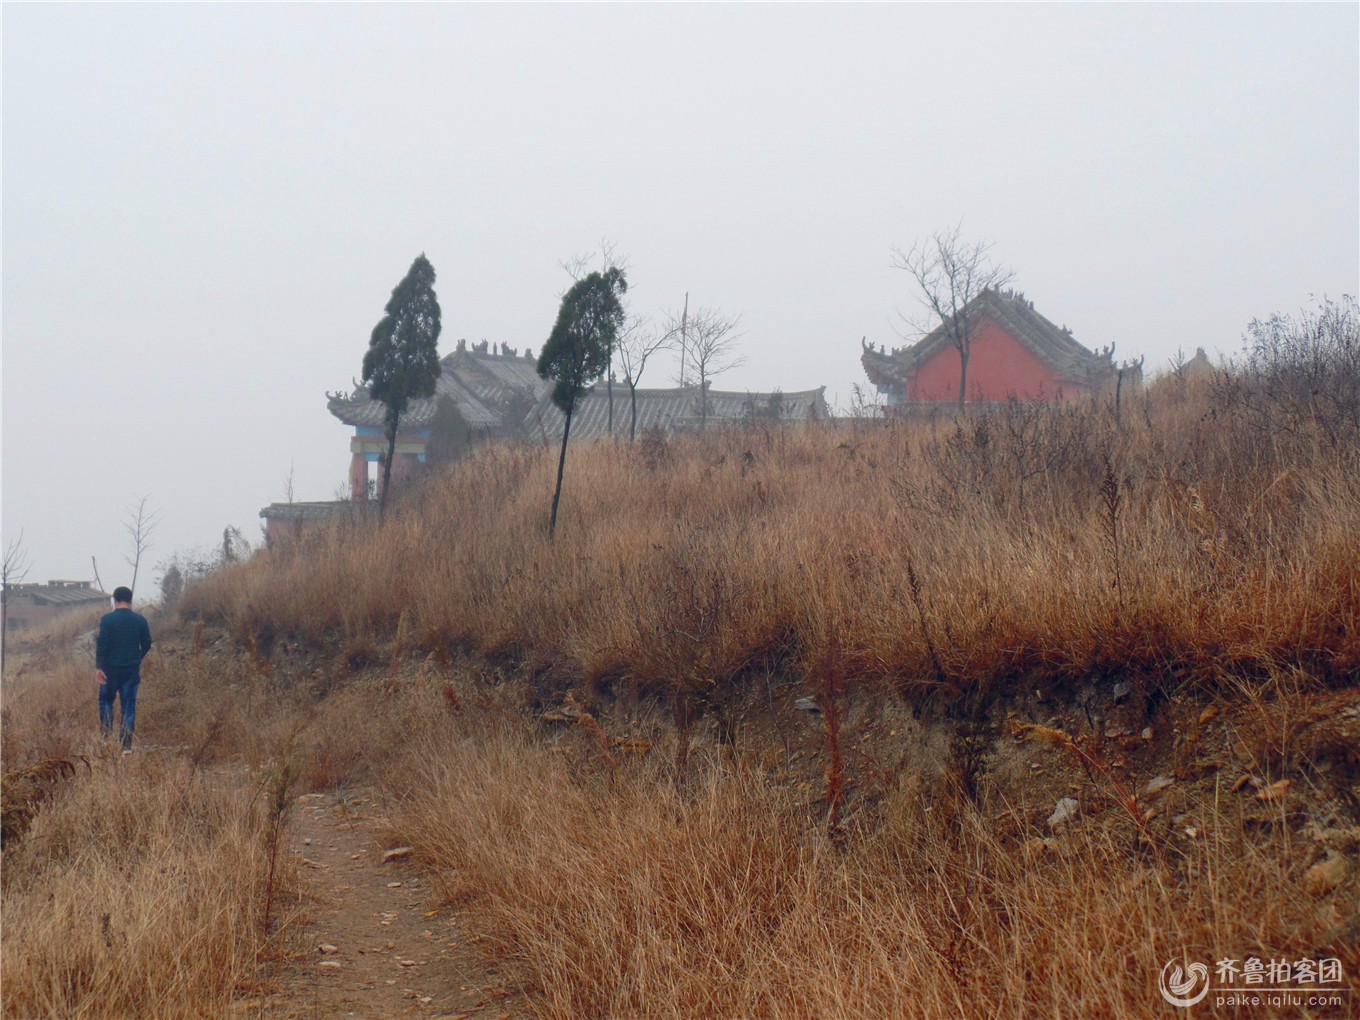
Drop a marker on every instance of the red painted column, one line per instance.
(358, 478)
(401, 470)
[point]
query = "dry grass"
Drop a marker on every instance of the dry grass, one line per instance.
(138, 886)
(136, 892)
(627, 897)
(732, 856)
(943, 556)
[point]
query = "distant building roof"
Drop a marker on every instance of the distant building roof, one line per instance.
(673, 409)
(56, 593)
(316, 511)
(496, 388)
(1054, 346)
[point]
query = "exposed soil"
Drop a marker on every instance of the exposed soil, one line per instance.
(379, 945)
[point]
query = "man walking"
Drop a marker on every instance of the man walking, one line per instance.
(124, 640)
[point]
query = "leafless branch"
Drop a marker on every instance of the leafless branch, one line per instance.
(140, 524)
(16, 567)
(637, 342)
(710, 348)
(578, 265)
(17, 561)
(950, 273)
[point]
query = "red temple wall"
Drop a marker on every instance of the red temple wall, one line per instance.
(998, 368)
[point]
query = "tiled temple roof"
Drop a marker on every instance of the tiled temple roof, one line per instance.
(497, 388)
(57, 593)
(670, 409)
(1054, 346)
(359, 409)
(309, 511)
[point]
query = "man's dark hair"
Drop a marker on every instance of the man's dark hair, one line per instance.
(122, 594)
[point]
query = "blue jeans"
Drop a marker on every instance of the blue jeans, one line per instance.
(120, 682)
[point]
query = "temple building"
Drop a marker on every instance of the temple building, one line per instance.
(1015, 353)
(490, 393)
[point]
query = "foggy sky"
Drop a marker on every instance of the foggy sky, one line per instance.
(207, 207)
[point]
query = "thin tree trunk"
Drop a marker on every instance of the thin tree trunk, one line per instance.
(387, 463)
(609, 389)
(963, 377)
(561, 467)
(632, 422)
(684, 349)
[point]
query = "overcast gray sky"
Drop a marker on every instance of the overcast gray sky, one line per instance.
(207, 207)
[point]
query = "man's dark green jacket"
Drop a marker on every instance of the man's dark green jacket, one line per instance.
(124, 639)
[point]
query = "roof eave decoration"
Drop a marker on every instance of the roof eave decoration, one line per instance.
(1010, 310)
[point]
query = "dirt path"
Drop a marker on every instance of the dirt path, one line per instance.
(380, 947)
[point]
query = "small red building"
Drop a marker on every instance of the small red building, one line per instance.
(1014, 353)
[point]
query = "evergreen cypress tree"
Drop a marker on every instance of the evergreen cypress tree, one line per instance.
(578, 351)
(402, 361)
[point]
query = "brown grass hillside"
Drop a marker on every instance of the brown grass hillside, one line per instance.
(1182, 543)
(781, 724)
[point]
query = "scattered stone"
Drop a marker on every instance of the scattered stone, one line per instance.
(306, 840)
(1120, 691)
(1065, 811)
(1346, 841)
(394, 885)
(309, 863)
(1037, 845)
(808, 705)
(408, 963)
(1147, 732)
(331, 964)
(1275, 791)
(1325, 875)
(1157, 785)
(396, 854)
(326, 949)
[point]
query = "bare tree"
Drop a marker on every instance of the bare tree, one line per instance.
(140, 524)
(637, 342)
(709, 348)
(16, 567)
(950, 274)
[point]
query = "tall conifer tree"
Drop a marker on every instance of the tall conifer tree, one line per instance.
(402, 362)
(578, 351)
